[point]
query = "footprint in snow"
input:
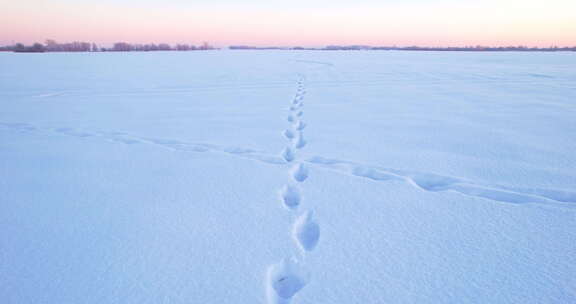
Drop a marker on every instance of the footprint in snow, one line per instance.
(433, 182)
(290, 196)
(306, 231)
(289, 134)
(373, 174)
(288, 154)
(300, 125)
(300, 142)
(285, 280)
(299, 173)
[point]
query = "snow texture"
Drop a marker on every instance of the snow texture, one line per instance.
(288, 177)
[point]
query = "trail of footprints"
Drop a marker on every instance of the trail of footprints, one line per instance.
(423, 180)
(286, 278)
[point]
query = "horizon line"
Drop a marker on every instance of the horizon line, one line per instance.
(285, 46)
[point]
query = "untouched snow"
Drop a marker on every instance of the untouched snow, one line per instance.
(288, 177)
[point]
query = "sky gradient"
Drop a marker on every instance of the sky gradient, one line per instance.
(292, 23)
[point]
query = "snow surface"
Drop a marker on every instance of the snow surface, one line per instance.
(288, 177)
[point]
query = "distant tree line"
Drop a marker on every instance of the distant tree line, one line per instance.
(76, 46)
(248, 47)
(53, 46)
(479, 48)
(411, 48)
(127, 47)
(20, 48)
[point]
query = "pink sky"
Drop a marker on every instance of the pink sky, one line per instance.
(443, 23)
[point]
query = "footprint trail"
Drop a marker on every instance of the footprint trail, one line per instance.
(287, 278)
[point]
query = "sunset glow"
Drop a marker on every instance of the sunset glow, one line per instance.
(291, 23)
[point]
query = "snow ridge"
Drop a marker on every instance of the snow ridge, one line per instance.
(286, 278)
